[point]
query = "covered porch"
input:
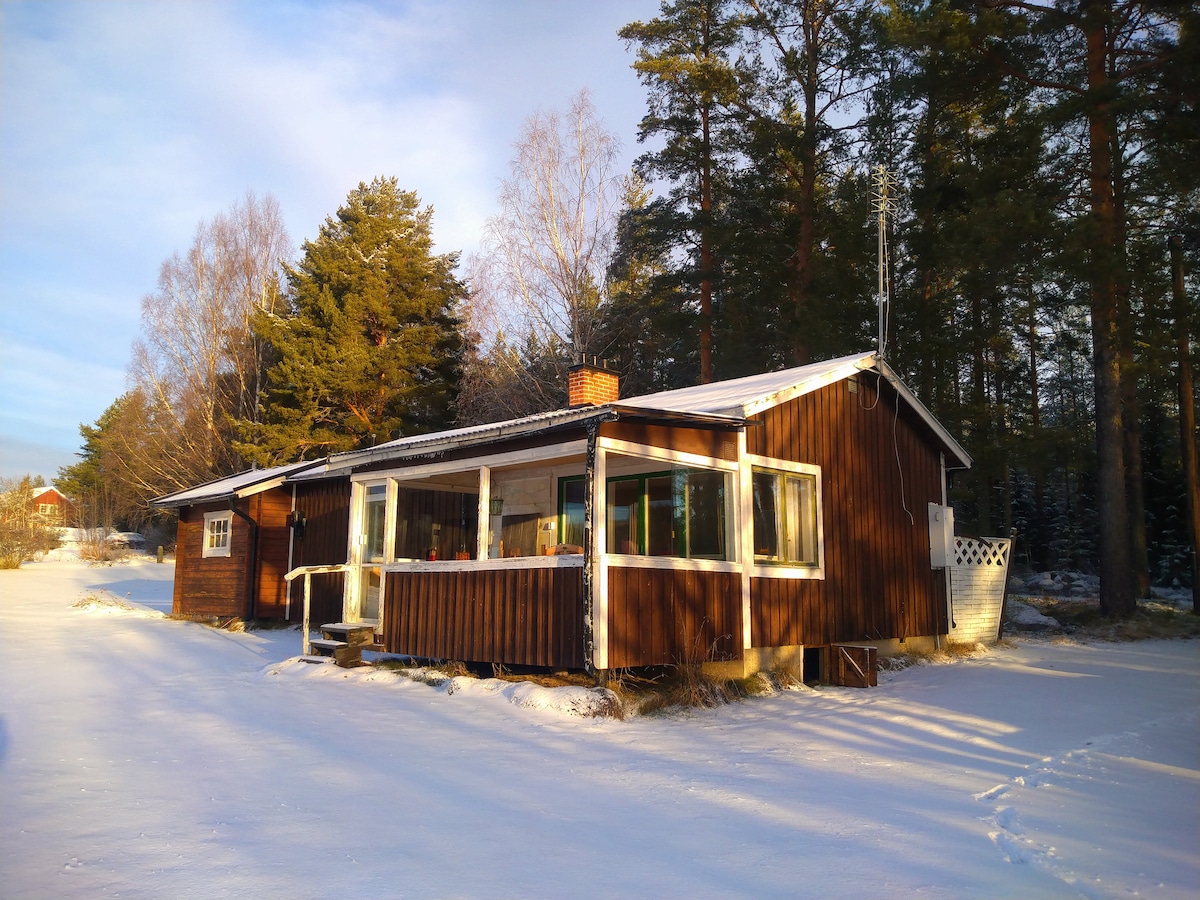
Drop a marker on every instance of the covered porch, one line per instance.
(613, 545)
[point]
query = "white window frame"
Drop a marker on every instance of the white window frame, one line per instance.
(763, 568)
(210, 551)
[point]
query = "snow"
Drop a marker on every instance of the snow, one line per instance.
(143, 757)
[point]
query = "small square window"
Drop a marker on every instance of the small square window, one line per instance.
(217, 533)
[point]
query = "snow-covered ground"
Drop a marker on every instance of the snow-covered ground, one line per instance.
(144, 757)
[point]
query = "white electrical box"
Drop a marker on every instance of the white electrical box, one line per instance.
(941, 536)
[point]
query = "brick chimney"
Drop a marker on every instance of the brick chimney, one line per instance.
(591, 385)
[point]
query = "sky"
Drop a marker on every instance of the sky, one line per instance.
(124, 125)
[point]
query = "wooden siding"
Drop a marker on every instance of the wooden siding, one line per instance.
(672, 616)
(878, 581)
(529, 617)
(213, 586)
(721, 444)
(270, 510)
(326, 507)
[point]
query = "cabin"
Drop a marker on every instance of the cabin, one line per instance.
(770, 520)
(53, 507)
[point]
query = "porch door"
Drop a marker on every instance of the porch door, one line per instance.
(374, 516)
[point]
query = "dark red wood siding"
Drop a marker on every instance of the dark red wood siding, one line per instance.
(531, 617)
(215, 586)
(721, 444)
(671, 617)
(879, 470)
(326, 509)
(270, 510)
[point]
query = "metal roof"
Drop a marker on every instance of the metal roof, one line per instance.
(722, 404)
(244, 484)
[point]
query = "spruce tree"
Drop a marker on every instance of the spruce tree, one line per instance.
(371, 349)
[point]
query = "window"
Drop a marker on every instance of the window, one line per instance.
(570, 510)
(785, 518)
(217, 528)
(680, 513)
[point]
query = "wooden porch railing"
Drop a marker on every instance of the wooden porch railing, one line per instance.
(308, 572)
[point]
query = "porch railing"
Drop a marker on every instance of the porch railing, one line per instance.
(308, 572)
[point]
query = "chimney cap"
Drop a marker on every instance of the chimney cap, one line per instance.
(599, 364)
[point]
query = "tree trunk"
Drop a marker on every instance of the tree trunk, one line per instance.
(706, 250)
(1130, 407)
(1116, 584)
(1187, 414)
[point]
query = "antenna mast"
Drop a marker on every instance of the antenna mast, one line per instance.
(882, 203)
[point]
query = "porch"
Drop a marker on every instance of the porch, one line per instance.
(590, 553)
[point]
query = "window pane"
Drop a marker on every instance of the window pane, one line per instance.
(518, 535)
(660, 531)
(801, 520)
(572, 512)
(706, 514)
(766, 515)
(622, 503)
(373, 516)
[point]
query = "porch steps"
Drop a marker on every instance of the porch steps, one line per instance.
(345, 642)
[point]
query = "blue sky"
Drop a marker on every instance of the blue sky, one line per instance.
(123, 125)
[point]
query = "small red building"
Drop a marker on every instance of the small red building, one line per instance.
(750, 522)
(53, 507)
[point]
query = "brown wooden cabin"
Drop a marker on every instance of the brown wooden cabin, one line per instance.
(743, 523)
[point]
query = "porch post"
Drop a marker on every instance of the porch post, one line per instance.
(745, 531)
(590, 550)
(483, 538)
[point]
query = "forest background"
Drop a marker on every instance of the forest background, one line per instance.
(1038, 164)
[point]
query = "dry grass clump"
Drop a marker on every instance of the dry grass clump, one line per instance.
(103, 598)
(1152, 620)
(948, 652)
(221, 623)
(433, 674)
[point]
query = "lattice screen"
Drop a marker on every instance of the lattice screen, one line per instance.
(981, 551)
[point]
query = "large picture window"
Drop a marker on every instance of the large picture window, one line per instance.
(785, 518)
(679, 513)
(217, 532)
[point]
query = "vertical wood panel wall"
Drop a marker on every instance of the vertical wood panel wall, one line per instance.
(270, 510)
(215, 586)
(530, 617)
(326, 506)
(878, 581)
(672, 616)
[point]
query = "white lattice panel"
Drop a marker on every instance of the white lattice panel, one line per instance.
(981, 551)
(977, 582)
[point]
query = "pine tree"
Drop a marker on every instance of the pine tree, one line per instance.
(371, 348)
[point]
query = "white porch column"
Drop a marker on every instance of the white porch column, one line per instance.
(599, 561)
(483, 539)
(745, 530)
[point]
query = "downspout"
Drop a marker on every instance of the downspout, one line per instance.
(252, 556)
(589, 477)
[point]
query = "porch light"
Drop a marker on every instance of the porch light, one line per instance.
(496, 506)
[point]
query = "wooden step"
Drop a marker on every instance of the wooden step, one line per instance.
(326, 647)
(350, 632)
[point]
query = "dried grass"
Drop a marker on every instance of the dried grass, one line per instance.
(1153, 620)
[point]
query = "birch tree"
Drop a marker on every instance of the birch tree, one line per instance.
(198, 365)
(542, 270)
